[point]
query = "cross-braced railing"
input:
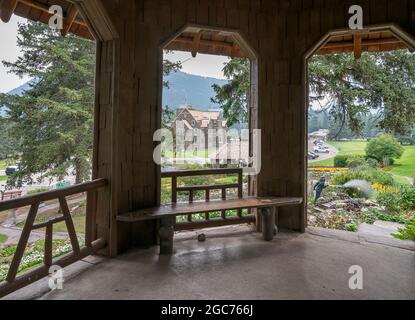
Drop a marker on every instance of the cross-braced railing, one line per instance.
(191, 190)
(13, 282)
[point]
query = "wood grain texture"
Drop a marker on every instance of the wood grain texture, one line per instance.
(212, 206)
(280, 32)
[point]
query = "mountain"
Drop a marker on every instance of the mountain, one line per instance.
(18, 91)
(188, 89)
(24, 87)
(184, 89)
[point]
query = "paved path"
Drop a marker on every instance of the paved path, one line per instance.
(322, 156)
(13, 235)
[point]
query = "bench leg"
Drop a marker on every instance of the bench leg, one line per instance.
(268, 223)
(166, 233)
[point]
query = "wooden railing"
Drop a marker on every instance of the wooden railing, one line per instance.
(13, 282)
(207, 222)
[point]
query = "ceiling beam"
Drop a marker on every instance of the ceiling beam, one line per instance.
(7, 8)
(45, 9)
(69, 19)
(370, 42)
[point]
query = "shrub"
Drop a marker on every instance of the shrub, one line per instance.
(406, 233)
(341, 161)
(372, 175)
(384, 148)
(351, 227)
(397, 201)
(39, 190)
(355, 161)
(390, 200)
(373, 163)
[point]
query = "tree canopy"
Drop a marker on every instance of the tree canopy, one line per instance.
(53, 121)
(379, 87)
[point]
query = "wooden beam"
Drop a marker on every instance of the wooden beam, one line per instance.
(196, 44)
(45, 9)
(69, 19)
(7, 8)
(357, 44)
(371, 42)
(235, 50)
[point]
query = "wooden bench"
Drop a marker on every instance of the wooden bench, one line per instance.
(166, 214)
(8, 195)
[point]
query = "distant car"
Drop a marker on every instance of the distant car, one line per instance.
(10, 170)
(315, 155)
(321, 150)
(312, 155)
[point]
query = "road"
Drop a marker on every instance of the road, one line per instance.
(322, 156)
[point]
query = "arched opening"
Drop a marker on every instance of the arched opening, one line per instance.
(210, 129)
(46, 211)
(360, 130)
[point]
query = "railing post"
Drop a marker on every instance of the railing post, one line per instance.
(69, 225)
(207, 215)
(224, 198)
(48, 256)
(21, 246)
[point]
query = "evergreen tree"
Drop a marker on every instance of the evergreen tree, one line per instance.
(53, 121)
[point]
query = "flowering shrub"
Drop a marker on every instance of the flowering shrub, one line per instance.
(381, 188)
(397, 200)
(33, 256)
(327, 169)
(363, 173)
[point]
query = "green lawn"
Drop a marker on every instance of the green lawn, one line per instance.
(344, 147)
(3, 238)
(404, 167)
(3, 178)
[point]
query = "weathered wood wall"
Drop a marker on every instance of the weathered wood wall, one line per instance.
(280, 31)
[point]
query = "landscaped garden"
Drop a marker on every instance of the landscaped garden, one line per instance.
(363, 189)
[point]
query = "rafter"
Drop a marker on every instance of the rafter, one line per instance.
(69, 19)
(357, 45)
(196, 44)
(7, 8)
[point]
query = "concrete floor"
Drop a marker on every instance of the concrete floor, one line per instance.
(235, 263)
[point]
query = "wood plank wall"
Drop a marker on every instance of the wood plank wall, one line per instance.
(280, 31)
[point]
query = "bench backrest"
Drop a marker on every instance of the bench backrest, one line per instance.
(191, 190)
(8, 195)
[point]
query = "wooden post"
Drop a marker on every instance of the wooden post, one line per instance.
(268, 224)
(6, 9)
(166, 233)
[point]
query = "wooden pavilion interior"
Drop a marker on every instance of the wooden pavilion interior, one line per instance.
(278, 36)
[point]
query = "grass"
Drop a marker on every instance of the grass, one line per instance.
(344, 147)
(405, 166)
(3, 238)
(3, 178)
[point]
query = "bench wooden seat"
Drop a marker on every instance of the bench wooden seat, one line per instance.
(211, 206)
(167, 213)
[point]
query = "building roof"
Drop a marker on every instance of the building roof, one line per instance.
(204, 115)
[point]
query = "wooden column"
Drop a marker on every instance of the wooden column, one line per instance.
(7, 8)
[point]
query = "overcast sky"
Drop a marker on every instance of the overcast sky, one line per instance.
(9, 52)
(203, 65)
